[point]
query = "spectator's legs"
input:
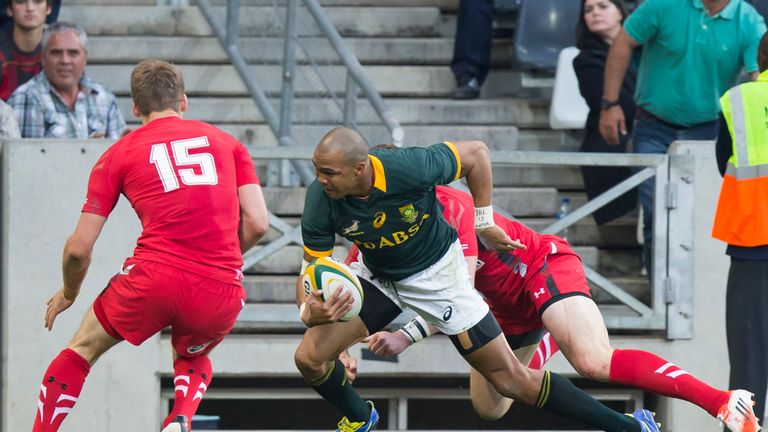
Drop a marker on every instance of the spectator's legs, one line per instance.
(746, 326)
(650, 136)
(472, 46)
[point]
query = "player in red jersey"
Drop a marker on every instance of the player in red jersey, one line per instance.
(195, 190)
(543, 286)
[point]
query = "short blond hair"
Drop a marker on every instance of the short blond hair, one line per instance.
(157, 85)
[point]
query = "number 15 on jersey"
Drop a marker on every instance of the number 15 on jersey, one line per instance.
(185, 163)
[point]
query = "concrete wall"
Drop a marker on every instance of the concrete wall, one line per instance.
(43, 188)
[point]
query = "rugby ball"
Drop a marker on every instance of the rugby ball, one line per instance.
(329, 274)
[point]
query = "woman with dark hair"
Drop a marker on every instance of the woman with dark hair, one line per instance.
(599, 23)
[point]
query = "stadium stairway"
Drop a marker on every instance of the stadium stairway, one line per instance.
(405, 47)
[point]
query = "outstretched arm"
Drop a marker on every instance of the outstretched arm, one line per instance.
(476, 168)
(75, 263)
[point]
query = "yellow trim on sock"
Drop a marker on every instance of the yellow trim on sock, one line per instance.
(327, 375)
(544, 391)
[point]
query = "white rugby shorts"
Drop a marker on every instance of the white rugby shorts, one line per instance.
(442, 293)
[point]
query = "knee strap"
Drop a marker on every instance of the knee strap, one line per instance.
(478, 336)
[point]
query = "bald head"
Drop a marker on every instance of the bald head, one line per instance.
(343, 145)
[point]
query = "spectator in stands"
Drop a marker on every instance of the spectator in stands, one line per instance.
(61, 102)
(693, 52)
(5, 16)
(599, 24)
(740, 221)
(9, 128)
(472, 47)
(20, 43)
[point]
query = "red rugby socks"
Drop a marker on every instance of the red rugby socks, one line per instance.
(650, 372)
(547, 348)
(191, 377)
(60, 389)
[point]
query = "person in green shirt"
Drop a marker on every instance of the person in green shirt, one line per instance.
(693, 51)
(384, 201)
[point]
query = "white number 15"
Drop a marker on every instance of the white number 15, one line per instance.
(161, 159)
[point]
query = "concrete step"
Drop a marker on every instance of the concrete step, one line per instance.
(556, 177)
(530, 140)
(223, 80)
(522, 201)
(272, 317)
(282, 289)
(518, 112)
(620, 233)
(609, 262)
(638, 286)
(254, 20)
(207, 50)
(444, 5)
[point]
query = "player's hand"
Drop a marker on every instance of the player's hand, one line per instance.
(496, 239)
(350, 364)
(317, 312)
(56, 305)
(386, 343)
(612, 123)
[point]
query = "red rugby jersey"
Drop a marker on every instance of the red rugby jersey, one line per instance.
(499, 275)
(181, 177)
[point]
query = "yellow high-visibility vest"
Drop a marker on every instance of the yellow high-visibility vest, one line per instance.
(742, 210)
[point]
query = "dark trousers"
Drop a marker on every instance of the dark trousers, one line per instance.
(746, 323)
(652, 135)
(474, 31)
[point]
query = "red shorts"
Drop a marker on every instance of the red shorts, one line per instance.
(560, 276)
(146, 297)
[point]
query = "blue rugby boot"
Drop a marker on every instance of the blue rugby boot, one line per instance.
(646, 419)
(347, 426)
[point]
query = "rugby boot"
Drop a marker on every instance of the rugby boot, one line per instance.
(737, 415)
(646, 419)
(180, 424)
(348, 426)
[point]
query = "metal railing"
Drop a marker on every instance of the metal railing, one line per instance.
(672, 285)
(281, 126)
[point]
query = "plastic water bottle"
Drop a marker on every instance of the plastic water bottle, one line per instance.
(562, 212)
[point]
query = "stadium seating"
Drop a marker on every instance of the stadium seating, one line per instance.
(544, 28)
(568, 109)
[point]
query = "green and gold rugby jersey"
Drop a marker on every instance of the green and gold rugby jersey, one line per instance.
(399, 227)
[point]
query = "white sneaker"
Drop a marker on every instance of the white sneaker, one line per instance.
(738, 414)
(181, 424)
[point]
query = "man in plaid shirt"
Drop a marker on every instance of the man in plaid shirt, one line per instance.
(60, 101)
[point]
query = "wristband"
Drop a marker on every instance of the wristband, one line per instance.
(484, 217)
(416, 329)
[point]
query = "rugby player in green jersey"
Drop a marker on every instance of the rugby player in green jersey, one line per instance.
(384, 201)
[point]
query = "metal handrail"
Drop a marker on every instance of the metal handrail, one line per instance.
(228, 41)
(356, 72)
(355, 75)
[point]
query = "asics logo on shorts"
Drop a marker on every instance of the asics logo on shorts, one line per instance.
(447, 313)
(194, 349)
